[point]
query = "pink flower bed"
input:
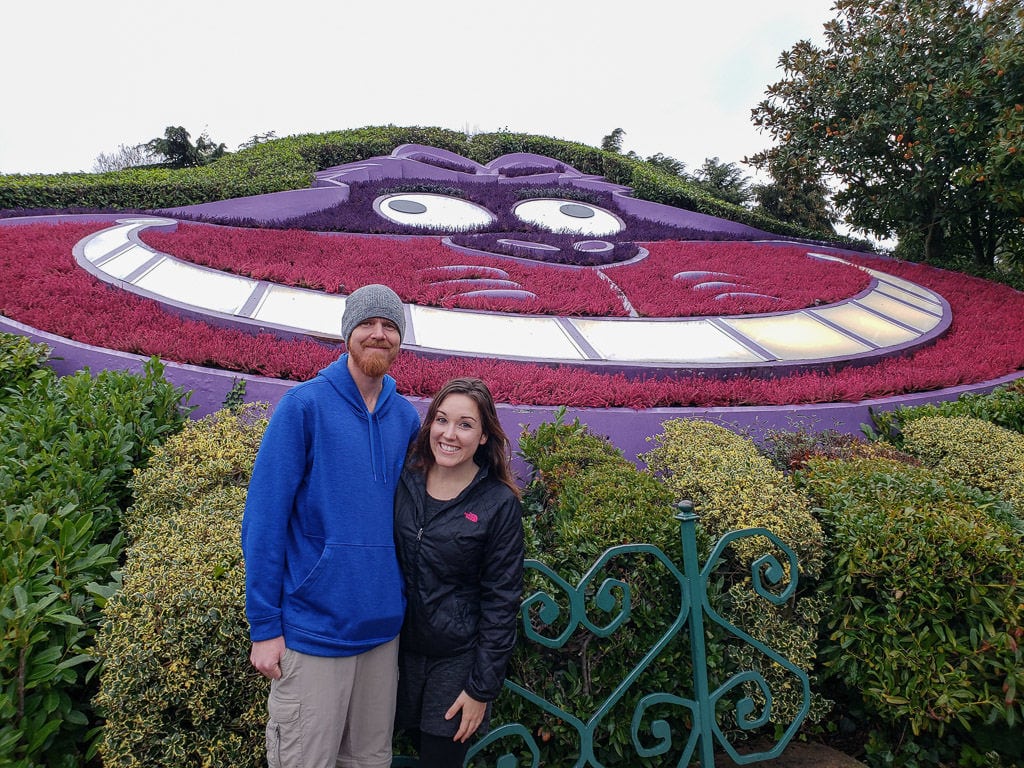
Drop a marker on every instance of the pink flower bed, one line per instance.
(785, 276)
(341, 263)
(41, 286)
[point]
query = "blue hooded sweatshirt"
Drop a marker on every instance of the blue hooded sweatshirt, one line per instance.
(317, 534)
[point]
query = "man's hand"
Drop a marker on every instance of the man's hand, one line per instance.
(472, 715)
(266, 657)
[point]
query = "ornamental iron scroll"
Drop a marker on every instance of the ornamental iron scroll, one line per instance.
(613, 598)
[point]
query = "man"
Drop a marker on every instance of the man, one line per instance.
(323, 590)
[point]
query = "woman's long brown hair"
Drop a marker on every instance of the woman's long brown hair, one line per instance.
(494, 454)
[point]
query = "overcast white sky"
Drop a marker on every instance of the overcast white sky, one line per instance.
(680, 77)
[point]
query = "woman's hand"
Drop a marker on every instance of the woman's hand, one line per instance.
(266, 657)
(472, 715)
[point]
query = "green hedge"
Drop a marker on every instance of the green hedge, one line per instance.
(21, 363)
(272, 166)
(927, 619)
(176, 684)
(584, 498)
(920, 593)
(67, 449)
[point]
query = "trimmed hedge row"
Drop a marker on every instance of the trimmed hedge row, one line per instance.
(67, 449)
(289, 163)
(272, 166)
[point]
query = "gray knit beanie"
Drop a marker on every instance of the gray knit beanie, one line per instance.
(372, 301)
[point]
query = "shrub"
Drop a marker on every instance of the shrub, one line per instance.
(576, 512)
(21, 363)
(584, 498)
(1004, 406)
(788, 450)
(926, 624)
(67, 447)
(176, 685)
(971, 451)
(734, 487)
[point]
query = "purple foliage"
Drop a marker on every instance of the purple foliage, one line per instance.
(443, 162)
(496, 242)
(512, 171)
(357, 214)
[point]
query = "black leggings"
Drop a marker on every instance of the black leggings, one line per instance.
(439, 751)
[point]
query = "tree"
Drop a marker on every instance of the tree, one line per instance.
(668, 164)
(796, 198)
(178, 151)
(123, 157)
(613, 141)
(908, 107)
(724, 180)
(260, 138)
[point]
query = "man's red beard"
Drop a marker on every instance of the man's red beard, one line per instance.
(372, 361)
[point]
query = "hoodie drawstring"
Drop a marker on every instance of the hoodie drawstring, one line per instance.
(375, 441)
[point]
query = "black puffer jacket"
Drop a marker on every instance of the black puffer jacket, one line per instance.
(463, 572)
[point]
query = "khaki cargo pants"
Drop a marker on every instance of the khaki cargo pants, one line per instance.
(328, 712)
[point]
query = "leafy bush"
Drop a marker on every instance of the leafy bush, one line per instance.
(927, 581)
(971, 451)
(1004, 406)
(734, 487)
(21, 363)
(176, 687)
(67, 448)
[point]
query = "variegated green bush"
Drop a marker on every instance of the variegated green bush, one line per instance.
(733, 486)
(972, 451)
(177, 688)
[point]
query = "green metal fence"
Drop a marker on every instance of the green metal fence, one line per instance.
(652, 738)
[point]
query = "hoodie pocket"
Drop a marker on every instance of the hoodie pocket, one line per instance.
(352, 594)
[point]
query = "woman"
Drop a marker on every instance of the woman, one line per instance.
(458, 530)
